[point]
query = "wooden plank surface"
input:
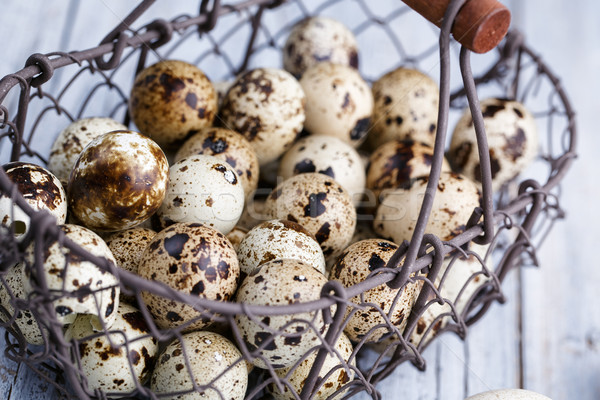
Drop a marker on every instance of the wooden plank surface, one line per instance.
(560, 335)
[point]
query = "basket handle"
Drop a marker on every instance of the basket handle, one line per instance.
(479, 26)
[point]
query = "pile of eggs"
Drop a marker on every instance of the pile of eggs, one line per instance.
(257, 194)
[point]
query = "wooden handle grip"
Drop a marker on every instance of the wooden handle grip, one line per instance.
(480, 24)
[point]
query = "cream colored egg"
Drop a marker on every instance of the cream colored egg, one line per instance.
(509, 394)
(266, 105)
(216, 366)
(339, 102)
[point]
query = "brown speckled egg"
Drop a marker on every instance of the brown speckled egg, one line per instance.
(319, 39)
(194, 259)
(512, 138)
(236, 235)
(118, 181)
(339, 102)
(117, 366)
(276, 283)
(327, 155)
(170, 100)
(277, 239)
(40, 189)
(355, 265)
(216, 366)
(453, 204)
(73, 139)
(395, 163)
(204, 189)
(11, 288)
(266, 105)
(320, 205)
(406, 107)
(66, 273)
(228, 146)
(338, 365)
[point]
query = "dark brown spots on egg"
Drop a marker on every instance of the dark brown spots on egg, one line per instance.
(173, 316)
(191, 100)
(228, 174)
(174, 244)
(223, 269)
(460, 156)
(259, 279)
(292, 340)
(295, 226)
(376, 262)
(170, 85)
(515, 145)
(387, 100)
(177, 201)
(216, 145)
(490, 110)
(494, 164)
(291, 217)
(111, 305)
(135, 357)
(353, 59)
(198, 289)
(360, 129)
(518, 112)
(315, 206)
(136, 320)
(118, 382)
(304, 166)
(211, 274)
(265, 339)
(44, 189)
(329, 172)
(323, 233)
(179, 367)
(110, 351)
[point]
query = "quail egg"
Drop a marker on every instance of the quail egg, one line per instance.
(73, 139)
(327, 155)
(281, 340)
(406, 107)
(339, 102)
(204, 189)
(236, 235)
(319, 39)
(194, 259)
(512, 138)
(170, 100)
(266, 105)
(320, 205)
(276, 239)
(119, 181)
(216, 367)
(228, 146)
(355, 265)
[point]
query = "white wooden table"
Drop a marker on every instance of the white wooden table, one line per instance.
(547, 336)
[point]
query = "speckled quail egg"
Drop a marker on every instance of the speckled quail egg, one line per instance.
(318, 203)
(84, 287)
(453, 205)
(338, 364)
(355, 265)
(319, 39)
(509, 394)
(12, 291)
(119, 180)
(236, 235)
(40, 189)
(339, 102)
(395, 163)
(277, 283)
(327, 155)
(216, 367)
(170, 100)
(194, 259)
(278, 239)
(204, 189)
(406, 107)
(117, 362)
(73, 139)
(512, 138)
(228, 146)
(266, 105)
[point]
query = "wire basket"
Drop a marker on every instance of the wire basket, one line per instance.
(510, 225)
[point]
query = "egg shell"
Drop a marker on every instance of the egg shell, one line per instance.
(66, 273)
(119, 180)
(11, 289)
(339, 102)
(355, 265)
(509, 394)
(406, 107)
(204, 189)
(319, 39)
(275, 340)
(326, 155)
(512, 138)
(221, 88)
(395, 163)
(194, 259)
(40, 189)
(170, 100)
(236, 235)
(337, 364)
(453, 205)
(73, 139)
(228, 146)
(318, 203)
(277, 239)
(117, 362)
(216, 366)
(254, 213)
(266, 105)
